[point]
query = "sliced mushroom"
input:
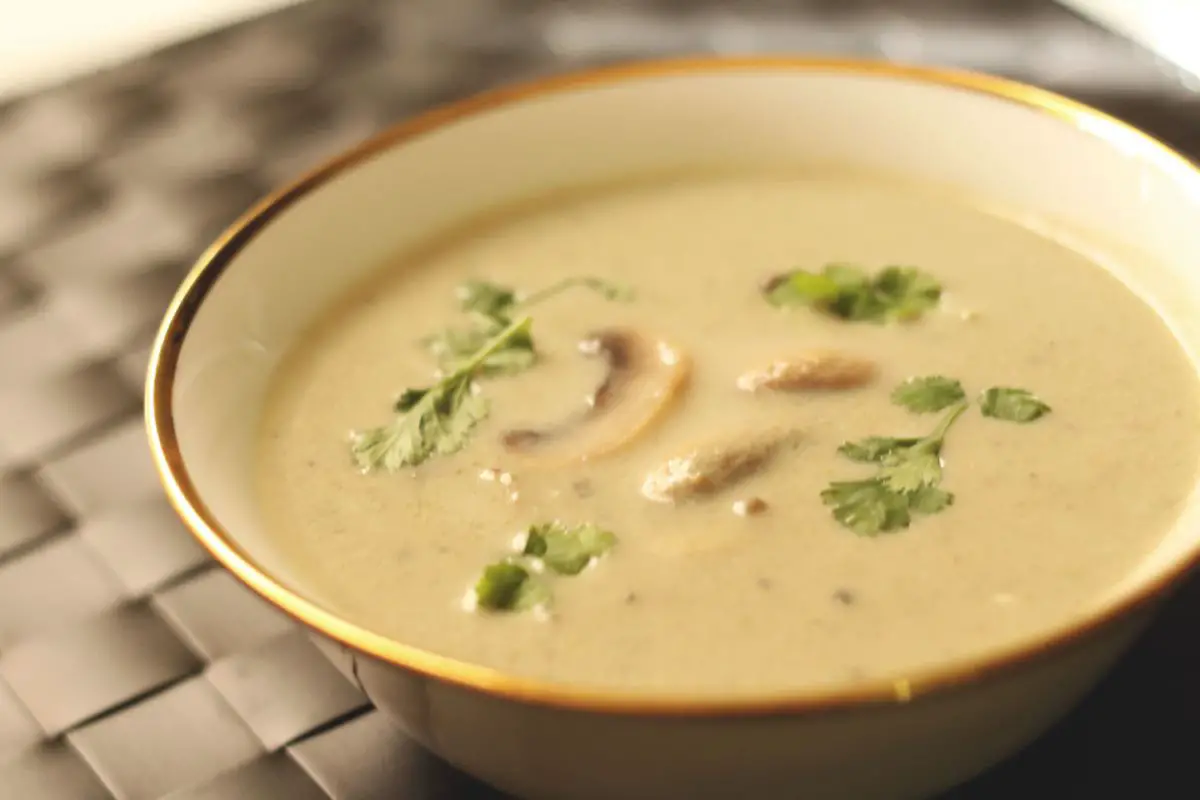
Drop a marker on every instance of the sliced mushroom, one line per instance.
(645, 375)
(814, 370)
(710, 468)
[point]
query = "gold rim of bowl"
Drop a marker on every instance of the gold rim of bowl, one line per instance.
(183, 496)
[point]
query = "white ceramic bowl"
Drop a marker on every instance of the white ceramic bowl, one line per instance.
(1073, 170)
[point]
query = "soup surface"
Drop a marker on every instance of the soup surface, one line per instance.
(738, 575)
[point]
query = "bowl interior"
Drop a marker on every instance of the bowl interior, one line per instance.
(1074, 173)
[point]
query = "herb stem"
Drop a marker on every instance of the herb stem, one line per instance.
(908, 477)
(609, 291)
(492, 345)
(956, 411)
(437, 420)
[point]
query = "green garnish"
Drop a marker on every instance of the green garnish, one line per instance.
(509, 586)
(488, 299)
(1012, 405)
(848, 292)
(453, 345)
(869, 508)
(437, 420)
(490, 308)
(929, 394)
(513, 584)
(907, 481)
(908, 478)
(606, 289)
(567, 549)
(874, 449)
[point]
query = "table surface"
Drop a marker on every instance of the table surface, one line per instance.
(131, 667)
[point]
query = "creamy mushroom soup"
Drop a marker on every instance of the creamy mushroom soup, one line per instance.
(725, 434)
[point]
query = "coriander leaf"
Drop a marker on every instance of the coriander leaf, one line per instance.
(930, 500)
(874, 449)
(490, 307)
(800, 288)
(488, 299)
(909, 471)
(917, 467)
(847, 277)
(437, 420)
(850, 293)
(500, 585)
(928, 394)
(906, 483)
(508, 586)
(512, 584)
(567, 549)
(1012, 405)
(534, 592)
(409, 398)
(439, 423)
(856, 300)
(517, 356)
(907, 291)
(458, 411)
(867, 507)
(453, 346)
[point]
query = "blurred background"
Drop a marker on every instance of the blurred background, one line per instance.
(133, 131)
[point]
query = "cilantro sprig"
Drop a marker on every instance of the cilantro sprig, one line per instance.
(439, 419)
(909, 470)
(930, 394)
(1012, 405)
(435, 420)
(510, 586)
(567, 550)
(491, 307)
(518, 582)
(848, 292)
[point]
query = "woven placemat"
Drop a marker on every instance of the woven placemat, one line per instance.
(130, 666)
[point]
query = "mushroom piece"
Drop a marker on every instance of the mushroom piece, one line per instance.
(645, 375)
(814, 370)
(710, 468)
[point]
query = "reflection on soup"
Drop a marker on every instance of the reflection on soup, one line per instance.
(725, 434)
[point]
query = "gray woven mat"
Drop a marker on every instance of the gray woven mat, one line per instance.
(130, 667)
